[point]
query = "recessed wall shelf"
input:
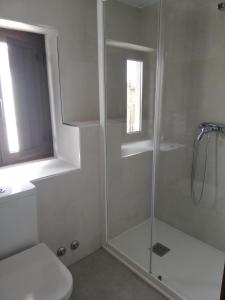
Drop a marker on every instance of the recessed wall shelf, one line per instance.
(142, 146)
(129, 46)
(83, 123)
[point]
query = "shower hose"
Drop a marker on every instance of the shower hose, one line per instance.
(197, 199)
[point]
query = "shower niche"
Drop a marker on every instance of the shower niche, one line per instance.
(158, 76)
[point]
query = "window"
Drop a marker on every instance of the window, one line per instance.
(25, 120)
(134, 95)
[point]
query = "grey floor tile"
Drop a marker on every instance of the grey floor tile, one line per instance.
(101, 277)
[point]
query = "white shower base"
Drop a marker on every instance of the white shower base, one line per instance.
(192, 268)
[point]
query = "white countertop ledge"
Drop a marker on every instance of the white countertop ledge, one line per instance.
(34, 170)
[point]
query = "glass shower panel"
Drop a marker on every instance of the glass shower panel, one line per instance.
(130, 72)
(189, 239)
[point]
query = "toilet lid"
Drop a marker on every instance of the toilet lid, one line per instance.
(35, 274)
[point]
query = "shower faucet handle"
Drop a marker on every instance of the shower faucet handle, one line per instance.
(207, 127)
(212, 126)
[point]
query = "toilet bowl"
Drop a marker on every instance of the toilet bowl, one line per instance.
(35, 273)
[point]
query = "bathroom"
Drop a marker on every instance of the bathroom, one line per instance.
(112, 145)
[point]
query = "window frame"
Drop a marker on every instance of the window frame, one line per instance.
(66, 135)
(45, 150)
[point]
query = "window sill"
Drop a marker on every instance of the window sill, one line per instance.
(84, 124)
(34, 171)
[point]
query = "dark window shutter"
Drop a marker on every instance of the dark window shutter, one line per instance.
(30, 86)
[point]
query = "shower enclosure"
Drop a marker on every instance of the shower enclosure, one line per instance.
(162, 100)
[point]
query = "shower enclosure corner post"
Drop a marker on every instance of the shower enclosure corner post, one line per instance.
(157, 116)
(102, 113)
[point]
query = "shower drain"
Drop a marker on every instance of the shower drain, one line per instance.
(160, 250)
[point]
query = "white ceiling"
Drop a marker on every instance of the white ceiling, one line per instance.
(139, 3)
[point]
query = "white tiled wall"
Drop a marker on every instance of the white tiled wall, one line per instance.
(193, 93)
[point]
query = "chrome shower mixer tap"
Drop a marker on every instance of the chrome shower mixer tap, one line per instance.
(207, 127)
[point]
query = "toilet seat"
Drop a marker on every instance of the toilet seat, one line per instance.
(34, 274)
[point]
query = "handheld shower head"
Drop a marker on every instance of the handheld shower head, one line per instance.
(201, 134)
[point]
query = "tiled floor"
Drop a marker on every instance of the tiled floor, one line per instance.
(101, 277)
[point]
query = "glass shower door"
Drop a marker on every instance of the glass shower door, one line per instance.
(189, 241)
(131, 33)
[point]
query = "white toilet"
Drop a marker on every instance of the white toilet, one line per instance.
(34, 272)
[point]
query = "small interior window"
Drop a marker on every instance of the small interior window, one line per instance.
(25, 118)
(134, 95)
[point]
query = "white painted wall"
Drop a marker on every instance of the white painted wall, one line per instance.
(68, 204)
(76, 22)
